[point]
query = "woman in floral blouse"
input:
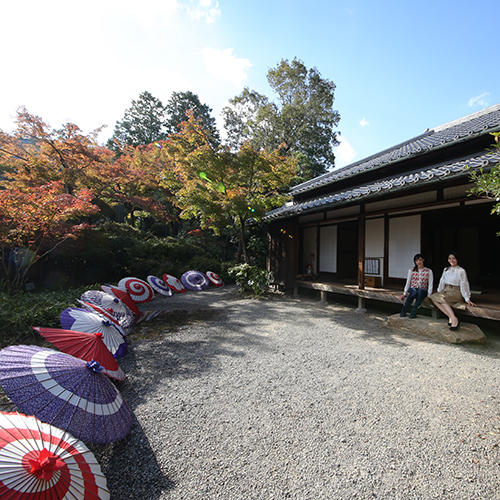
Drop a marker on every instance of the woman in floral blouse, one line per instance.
(419, 283)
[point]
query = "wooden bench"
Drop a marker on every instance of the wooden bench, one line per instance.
(392, 296)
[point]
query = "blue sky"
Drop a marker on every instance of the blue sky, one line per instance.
(400, 67)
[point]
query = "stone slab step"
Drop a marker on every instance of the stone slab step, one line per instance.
(437, 329)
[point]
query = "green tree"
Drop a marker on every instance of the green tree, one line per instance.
(142, 123)
(487, 184)
(224, 189)
(302, 119)
(176, 108)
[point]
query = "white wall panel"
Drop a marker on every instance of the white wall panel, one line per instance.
(328, 249)
(404, 243)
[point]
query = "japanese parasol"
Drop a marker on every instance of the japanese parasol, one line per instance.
(86, 346)
(174, 283)
(158, 285)
(40, 461)
(82, 320)
(124, 297)
(106, 314)
(214, 278)
(64, 391)
(139, 290)
(195, 281)
(112, 304)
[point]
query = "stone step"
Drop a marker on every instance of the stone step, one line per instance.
(438, 329)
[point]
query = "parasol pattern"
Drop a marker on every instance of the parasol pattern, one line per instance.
(81, 320)
(111, 304)
(40, 461)
(174, 283)
(86, 346)
(158, 285)
(125, 297)
(64, 391)
(195, 281)
(139, 290)
(214, 278)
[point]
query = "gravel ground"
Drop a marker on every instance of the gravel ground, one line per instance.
(288, 398)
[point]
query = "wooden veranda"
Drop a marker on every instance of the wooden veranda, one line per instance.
(487, 302)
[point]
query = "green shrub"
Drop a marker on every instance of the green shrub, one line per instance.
(21, 311)
(251, 279)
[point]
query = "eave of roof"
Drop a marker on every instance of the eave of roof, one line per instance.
(397, 183)
(480, 123)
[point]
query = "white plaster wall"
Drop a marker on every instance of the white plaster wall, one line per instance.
(309, 248)
(328, 249)
(404, 243)
(374, 242)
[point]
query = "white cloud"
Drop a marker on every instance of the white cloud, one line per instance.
(223, 64)
(364, 122)
(344, 153)
(205, 10)
(479, 100)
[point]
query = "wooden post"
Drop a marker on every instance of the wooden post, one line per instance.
(323, 297)
(361, 248)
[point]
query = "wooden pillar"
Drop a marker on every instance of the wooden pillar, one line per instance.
(361, 248)
(323, 297)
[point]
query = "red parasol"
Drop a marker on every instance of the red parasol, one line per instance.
(41, 461)
(86, 346)
(124, 296)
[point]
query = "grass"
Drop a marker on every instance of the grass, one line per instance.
(20, 311)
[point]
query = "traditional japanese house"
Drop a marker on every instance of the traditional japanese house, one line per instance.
(355, 230)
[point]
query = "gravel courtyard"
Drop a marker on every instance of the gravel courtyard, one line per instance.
(290, 398)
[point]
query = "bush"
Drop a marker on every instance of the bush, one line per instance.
(21, 311)
(251, 279)
(112, 251)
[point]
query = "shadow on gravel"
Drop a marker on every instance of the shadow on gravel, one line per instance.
(131, 468)
(371, 326)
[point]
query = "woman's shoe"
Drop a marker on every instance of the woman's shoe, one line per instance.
(455, 327)
(449, 323)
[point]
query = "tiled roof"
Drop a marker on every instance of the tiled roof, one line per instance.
(480, 123)
(395, 183)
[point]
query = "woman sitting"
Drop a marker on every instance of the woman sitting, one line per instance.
(453, 287)
(419, 284)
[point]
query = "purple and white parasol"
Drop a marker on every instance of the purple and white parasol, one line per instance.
(214, 278)
(195, 280)
(111, 304)
(64, 391)
(81, 320)
(159, 286)
(139, 290)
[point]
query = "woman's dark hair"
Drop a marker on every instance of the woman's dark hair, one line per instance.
(454, 255)
(415, 257)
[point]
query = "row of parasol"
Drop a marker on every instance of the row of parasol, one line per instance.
(68, 395)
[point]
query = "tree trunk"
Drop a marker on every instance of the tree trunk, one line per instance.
(243, 244)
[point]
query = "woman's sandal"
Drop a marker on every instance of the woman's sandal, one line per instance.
(455, 327)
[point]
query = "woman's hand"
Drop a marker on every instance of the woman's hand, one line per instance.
(403, 297)
(470, 303)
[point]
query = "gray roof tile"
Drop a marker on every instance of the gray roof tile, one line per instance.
(394, 183)
(485, 121)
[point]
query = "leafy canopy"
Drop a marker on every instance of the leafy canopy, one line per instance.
(222, 188)
(302, 118)
(181, 102)
(142, 123)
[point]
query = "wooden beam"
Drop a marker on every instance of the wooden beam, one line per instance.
(361, 249)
